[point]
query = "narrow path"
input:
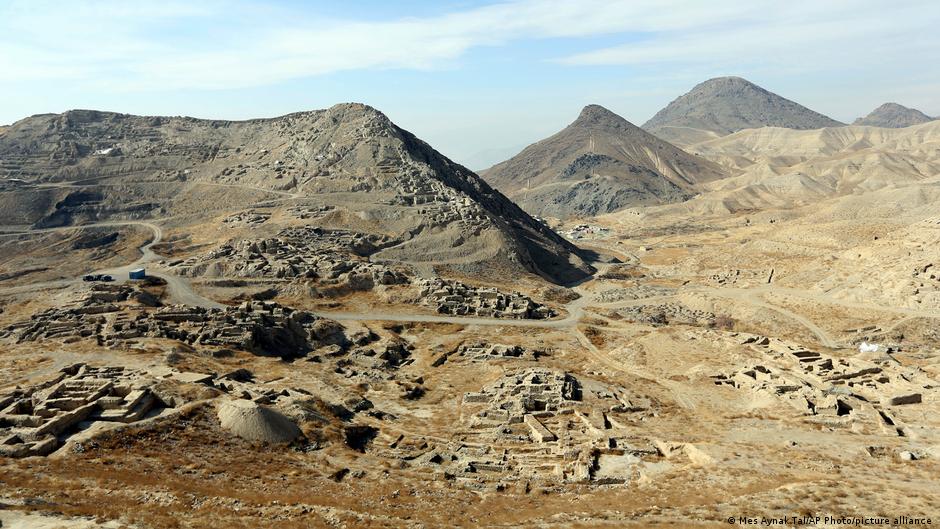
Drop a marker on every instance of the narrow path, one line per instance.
(749, 297)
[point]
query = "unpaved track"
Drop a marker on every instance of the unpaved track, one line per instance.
(178, 289)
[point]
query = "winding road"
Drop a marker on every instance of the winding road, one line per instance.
(178, 289)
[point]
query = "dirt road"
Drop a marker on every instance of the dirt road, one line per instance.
(178, 289)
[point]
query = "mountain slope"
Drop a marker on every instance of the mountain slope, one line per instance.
(894, 116)
(598, 164)
(349, 160)
(784, 168)
(728, 104)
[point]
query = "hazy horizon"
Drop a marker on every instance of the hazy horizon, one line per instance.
(477, 80)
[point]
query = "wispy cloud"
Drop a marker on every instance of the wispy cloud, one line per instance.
(634, 55)
(218, 45)
(795, 35)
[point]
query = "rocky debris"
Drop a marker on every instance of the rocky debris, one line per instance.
(586, 231)
(335, 259)
(741, 278)
(254, 422)
(820, 385)
(666, 314)
(459, 299)
(482, 352)
(34, 421)
(634, 293)
(383, 364)
(528, 391)
(549, 426)
(260, 327)
(440, 205)
(309, 212)
(247, 218)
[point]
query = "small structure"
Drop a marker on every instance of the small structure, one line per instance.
(137, 273)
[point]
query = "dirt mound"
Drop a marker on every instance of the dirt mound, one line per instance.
(254, 422)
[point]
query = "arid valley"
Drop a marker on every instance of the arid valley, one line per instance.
(726, 315)
(340, 327)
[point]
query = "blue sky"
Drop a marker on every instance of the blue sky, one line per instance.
(477, 80)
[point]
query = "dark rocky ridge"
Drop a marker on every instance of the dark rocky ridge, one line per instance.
(728, 104)
(894, 116)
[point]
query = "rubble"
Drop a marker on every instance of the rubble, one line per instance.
(259, 327)
(548, 425)
(309, 212)
(741, 278)
(666, 313)
(35, 421)
(247, 218)
(634, 293)
(585, 231)
(334, 258)
(482, 352)
(459, 299)
(819, 385)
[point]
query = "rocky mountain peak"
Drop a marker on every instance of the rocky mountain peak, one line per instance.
(893, 115)
(599, 163)
(598, 116)
(724, 105)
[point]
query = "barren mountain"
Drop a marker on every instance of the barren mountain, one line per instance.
(894, 116)
(360, 168)
(778, 167)
(598, 164)
(728, 104)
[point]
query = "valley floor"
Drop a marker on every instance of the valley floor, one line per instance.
(759, 366)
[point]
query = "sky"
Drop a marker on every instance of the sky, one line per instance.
(477, 80)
